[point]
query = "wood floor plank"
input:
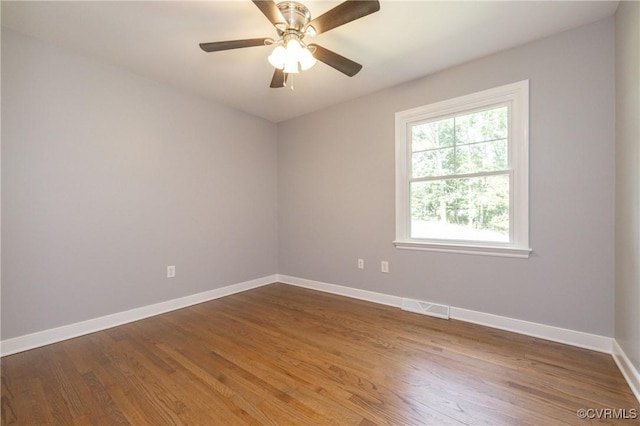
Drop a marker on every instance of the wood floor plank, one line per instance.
(32, 406)
(282, 355)
(7, 404)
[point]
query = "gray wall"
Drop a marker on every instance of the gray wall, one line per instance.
(108, 177)
(627, 315)
(336, 190)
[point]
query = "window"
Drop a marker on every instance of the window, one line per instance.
(462, 169)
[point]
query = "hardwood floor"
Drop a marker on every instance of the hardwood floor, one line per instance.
(281, 355)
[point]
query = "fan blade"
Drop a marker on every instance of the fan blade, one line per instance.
(278, 79)
(232, 44)
(343, 13)
(342, 64)
(270, 9)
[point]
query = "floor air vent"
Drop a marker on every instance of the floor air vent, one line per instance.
(426, 308)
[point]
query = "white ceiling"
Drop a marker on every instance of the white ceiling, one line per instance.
(403, 41)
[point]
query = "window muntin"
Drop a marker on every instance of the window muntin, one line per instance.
(462, 174)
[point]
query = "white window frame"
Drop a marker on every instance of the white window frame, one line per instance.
(516, 97)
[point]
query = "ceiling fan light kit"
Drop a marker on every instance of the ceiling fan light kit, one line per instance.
(289, 54)
(293, 22)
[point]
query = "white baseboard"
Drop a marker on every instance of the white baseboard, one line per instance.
(628, 370)
(34, 340)
(46, 337)
(556, 334)
(369, 296)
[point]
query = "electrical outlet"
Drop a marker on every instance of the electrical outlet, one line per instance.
(171, 271)
(360, 263)
(384, 266)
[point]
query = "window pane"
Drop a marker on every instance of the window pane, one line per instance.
(482, 126)
(482, 157)
(436, 134)
(470, 209)
(437, 162)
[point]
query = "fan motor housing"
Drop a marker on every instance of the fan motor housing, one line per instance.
(297, 15)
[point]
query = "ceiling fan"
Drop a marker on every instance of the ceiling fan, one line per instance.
(293, 23)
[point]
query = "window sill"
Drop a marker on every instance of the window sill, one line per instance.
(522, 253)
